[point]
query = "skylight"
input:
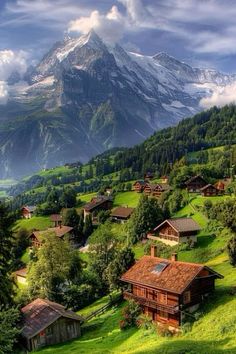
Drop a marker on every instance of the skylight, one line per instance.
(160, 267)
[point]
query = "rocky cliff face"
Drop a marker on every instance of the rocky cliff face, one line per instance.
(85, 97)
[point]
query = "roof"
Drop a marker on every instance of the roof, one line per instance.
(95, 202)
(143, 183)
(56, 217)
(207, 186)
(193, 179)
(122, 212)
(60, 231)
(40, 313)
(30, 208)
(181, 224)
(175, 277)
(162, 186)
(21, 272)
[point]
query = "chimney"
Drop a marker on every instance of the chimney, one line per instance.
(153, 251)
(174, 257)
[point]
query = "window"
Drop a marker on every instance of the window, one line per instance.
(163, 314)
(187, 297)
(163, 298)
(49, 331)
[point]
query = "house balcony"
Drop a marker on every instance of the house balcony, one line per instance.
(150, 303)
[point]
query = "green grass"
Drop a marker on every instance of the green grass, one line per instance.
(25, 257)
(213, 333)
(127, 198)
(36, 222)
(95, 306)
(85, 198)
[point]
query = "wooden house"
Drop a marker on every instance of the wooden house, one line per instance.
(174, 231)
(209, 191)
(164, 179)
(121, 214)
(167, 289)
(56, 219)
(28, 211)
(46, 323)
(195, 184)
(20, 275)
(148, 176)
(156, 190)
(97, 204)
(139, 186)
(36, 238)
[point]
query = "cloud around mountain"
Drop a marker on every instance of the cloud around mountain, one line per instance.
(220, 96)
(10, 62)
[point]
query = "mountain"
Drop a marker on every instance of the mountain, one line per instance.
(86, 96)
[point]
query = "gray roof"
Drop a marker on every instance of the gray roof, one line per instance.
(181, 224)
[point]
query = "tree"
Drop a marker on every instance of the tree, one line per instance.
(75, 220)
(123, 260)
(21, 241)
(88, 226)
(68, 198)
(8, 329)
(6, 247)
(146, 216)
(231, 248)
(50, 271)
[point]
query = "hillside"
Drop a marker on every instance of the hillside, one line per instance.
(85, 97)
(193, 139)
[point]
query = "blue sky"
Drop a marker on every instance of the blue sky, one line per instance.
(199, 32)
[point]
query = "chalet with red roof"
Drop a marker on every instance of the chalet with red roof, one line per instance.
(167, 289)
(36, 238)
(156, 190)
(28, 211)
(121, 214)
(195, 184)
(139, 186)
(45, 323)
(174, 231)
(97, 204)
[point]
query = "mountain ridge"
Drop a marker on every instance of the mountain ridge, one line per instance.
(85, 97)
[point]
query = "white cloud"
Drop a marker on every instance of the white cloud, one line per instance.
(9, 63)
(110, 26)
(220, 96)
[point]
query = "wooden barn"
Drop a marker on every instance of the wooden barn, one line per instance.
(20, 275)
(56, 219)
(46, 323)
(174, 231)
(97, 204)
(195, 184)
(28, 211)
(168, 289)
(156, 190)
(121, 214)
(36, 238)
(139, 186)
(209, 191)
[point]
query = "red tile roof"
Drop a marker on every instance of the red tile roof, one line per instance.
(175, 277)
(181, 224)
(40, 313)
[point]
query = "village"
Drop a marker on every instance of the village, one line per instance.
(167, 290)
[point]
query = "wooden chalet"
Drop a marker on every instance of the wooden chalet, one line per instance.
(156, 190)
(121, 214)
(28, 211)
(139, 186)
(174, 231)
(195, 184)
(168, 289)
(36, 238)
(209, 191)
(20, 275)
(148, 176)
(56, 219)
(46, 323)
(97, 204)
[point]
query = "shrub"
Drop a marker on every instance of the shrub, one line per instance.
(231, 248)
(130, 315)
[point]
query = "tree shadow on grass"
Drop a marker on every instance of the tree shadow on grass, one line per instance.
(190, 347)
